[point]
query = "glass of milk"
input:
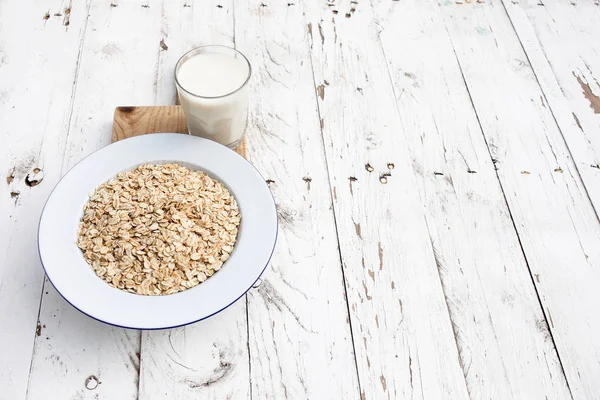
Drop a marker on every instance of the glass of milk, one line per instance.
(212, 87)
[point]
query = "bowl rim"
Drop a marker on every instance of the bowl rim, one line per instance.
(166, 326)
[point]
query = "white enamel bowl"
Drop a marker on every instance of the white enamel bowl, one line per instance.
(77, 282)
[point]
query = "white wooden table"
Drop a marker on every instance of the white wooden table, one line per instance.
(436, 165)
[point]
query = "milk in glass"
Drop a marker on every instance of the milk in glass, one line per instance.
(211, 83)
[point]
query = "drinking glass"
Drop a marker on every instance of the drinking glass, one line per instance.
(214, 93)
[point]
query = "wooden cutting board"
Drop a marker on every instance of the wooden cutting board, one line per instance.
(133, 121)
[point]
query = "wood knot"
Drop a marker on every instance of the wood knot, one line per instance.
(163, 45)
(91, 382)
(383, 178)
(126, 109)
(308, 180)
(34, 178)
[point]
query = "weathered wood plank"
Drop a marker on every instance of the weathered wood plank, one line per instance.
(118, 66)
(140, 120)
(378, 86)
(557, 225)
(404, 342)
(132, 121)
(39, 55)
(300, 339)
(504, 344)
(209, 359)
(560, 39)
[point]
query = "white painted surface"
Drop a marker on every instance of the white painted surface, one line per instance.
(403, 336)
(560, 40)
(299, 339)
(446, 305)
(503, 341)
(38, 64)
(556, 222)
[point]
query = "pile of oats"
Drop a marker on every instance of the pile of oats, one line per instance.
(158, 229)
